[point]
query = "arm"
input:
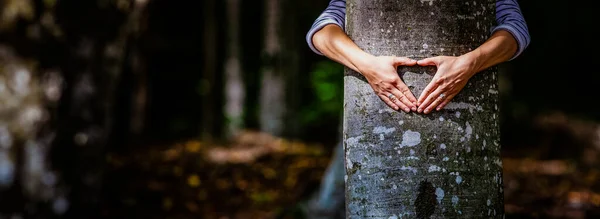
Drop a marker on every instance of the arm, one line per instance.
(509, 39)
(511, 20)
(328, 38)
(333, 42)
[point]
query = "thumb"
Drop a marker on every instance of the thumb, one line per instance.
(404, 61)
(430, 61)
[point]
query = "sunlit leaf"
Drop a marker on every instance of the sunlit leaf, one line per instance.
(326, 91)
(192, 146)
(262, 197)
(193, 181)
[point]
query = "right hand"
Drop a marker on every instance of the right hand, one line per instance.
(381, 73)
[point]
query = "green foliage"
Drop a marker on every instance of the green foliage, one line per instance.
(327, 87)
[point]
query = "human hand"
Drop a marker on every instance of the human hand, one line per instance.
(381, 73)
(451, 77)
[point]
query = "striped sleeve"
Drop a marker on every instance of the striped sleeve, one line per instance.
(335, 13)
(510, 18)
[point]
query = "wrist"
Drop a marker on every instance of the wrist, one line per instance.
(473, 62)
(362, 61)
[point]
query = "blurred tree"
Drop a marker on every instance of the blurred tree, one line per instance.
(234, 85)
(60, 70)
(289, 63)
(136, 62)
(272, 94)
(93, 68)
(442, 165)
(209, 83)
(328, 202)
(279, 96)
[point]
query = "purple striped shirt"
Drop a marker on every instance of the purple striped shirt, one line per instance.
(508, 17)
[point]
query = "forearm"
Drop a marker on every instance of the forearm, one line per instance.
(500, 47)
(332, 42)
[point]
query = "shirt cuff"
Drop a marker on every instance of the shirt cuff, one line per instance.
(521, 42)
(316, 27)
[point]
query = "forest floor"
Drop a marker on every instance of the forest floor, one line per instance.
(259, 176)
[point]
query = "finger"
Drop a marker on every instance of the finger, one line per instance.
(430, 99)
(404, 61)
(387, 101)
(409, 99)
(443, 104)
(400, 100)
(426, 92)
(429, 61)
(435, 103)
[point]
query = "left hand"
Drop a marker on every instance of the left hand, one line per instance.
(451, 77)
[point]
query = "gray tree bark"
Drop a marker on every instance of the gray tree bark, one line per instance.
(442, 165)
(272, 93)
(234, 85)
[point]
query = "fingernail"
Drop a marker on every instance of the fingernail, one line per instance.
(407, 109)
(395, 108)
(414, 108)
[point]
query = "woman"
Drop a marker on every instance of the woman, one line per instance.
(327, 37)
(508, 40)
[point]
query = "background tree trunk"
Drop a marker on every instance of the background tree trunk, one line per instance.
(443, 165)
(93, 69)
(272, 101)
(137, 61)
(209, 72)
(58, 110)
(290, 66)
(328, 203)
(234, 85)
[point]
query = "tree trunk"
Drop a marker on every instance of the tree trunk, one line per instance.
(442, 165)
(56, 116)
(93, 69)
(27, 101)
(329, 200)
(234, 86)
(137, 62)
(272, 101)
(290, 67)
(209, 72)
